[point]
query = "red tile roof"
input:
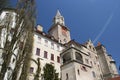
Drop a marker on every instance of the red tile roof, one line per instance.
(116, 78)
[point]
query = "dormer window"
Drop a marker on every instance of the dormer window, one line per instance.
(52, 45)
(89, 46)
(93, 49)
(65, 40)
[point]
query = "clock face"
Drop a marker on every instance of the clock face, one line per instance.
(64, 31)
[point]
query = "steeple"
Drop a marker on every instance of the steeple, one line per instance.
(58, 13)
(59, 19)
(58, 29)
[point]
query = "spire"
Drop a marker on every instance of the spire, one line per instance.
(58, 13)
(58, 18)
(89, 40)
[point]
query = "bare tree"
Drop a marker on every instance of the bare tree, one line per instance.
(22, 35)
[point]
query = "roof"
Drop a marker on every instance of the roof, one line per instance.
(54, 25)
(74, 42)
(116, 78)
(47, 36)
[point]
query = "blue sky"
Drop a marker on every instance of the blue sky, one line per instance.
(98, 20)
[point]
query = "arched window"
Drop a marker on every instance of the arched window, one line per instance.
(79, 57)
(66, 57)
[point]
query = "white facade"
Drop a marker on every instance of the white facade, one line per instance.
(5, 16)
(47, 50)
(8, 19)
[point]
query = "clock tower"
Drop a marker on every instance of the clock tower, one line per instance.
(58, 29)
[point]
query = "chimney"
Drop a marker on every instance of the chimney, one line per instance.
(40, 28)
(98, 44)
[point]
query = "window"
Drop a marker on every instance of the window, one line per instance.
(91, 63)
(13, 60)
(89, 54)
(87, 61)
(46, 42)
(52, 45)
(79, 57)
(38, 51)
(95, 62)
(89, 46)
(45, 54)
(66, 57)
(96, 57)
(31, 69)
(58, 59)
(58, 48)
(78, 72)
(65, 40)
(67, 76)
(52, 57)
(60, 41)
(39, 39)
(93, 73)
(93, 49)
(21, 45)
(83, 68)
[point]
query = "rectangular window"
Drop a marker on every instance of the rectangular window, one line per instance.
(52, 45)
(78, 72)
(38, 51)
(46, 42)
(93, 73)
(91, 63)
(87, 61)
(89, 54)
(31, 69)
(58, 59)
(58, 48)
(21, 45)
(52, 57)
(67, 76)
(45, 54)
(39, 39)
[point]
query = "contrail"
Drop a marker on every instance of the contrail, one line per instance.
(104, 28)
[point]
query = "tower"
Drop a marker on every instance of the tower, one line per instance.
(73, 64)
(58, 30)
(108, 65)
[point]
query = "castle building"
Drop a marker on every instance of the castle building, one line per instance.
(59, 30)
(107, 63)
(7, 24)
(72, 60)
(9, 49)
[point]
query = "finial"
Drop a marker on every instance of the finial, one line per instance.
(58, 13)
(89, 40)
